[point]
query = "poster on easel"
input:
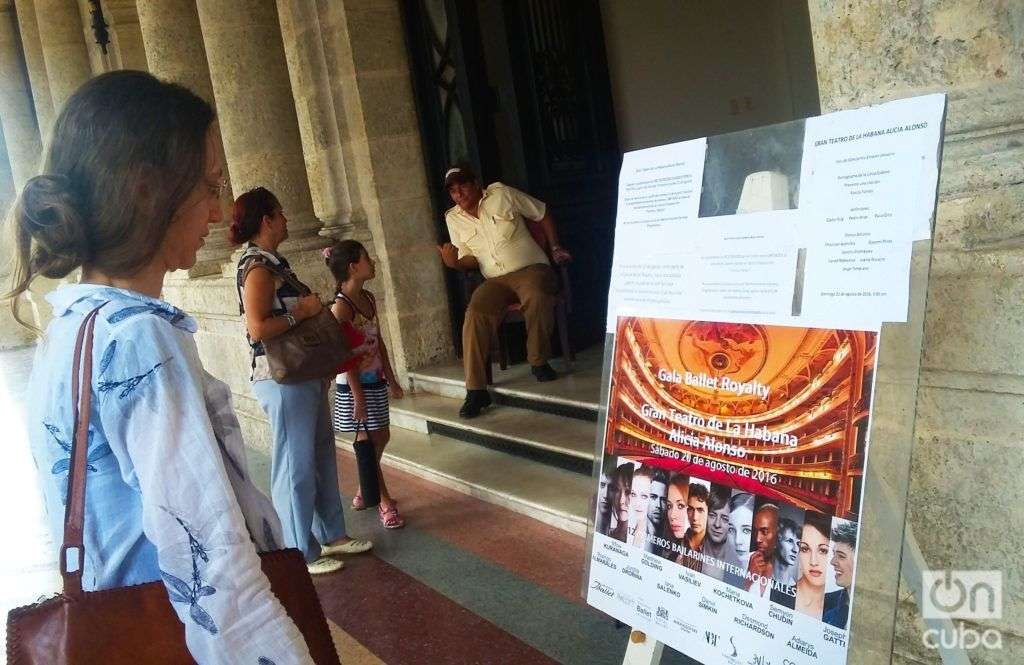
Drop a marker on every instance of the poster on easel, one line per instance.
(745, 317)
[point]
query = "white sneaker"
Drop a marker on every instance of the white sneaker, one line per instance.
(353, 546)
(324, 565)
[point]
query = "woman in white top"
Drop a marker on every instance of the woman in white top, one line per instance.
(131, 183)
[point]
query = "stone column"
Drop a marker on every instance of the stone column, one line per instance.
(35, 64)
(17, 115)
(258, 124)
(174, 48)
(99, 61)
(12, 334)
(64, 50)
(125, 47)
(969, 451)
(365, 51)
(315, 108)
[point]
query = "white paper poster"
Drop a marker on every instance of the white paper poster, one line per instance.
(752, 273)
(830, 207)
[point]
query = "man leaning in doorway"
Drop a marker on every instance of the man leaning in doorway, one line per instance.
(488, 231)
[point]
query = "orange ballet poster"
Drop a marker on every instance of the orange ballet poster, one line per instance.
(728, 505)
(778, 411)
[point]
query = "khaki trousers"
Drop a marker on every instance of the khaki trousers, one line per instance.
(535, 287)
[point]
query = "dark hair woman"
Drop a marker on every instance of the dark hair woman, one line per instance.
(676, 521)
(814, 552)
(303, 469)
(130, 186)
(619, 495)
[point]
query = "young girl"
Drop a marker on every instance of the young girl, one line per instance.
(362, 391)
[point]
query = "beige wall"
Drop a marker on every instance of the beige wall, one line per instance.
(966, 501)
(681, 70)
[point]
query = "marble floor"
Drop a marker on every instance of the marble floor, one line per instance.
(465, 582)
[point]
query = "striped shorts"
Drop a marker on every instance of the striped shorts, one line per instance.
(377, 412)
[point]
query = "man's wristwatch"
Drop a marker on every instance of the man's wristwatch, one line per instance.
(290, 319)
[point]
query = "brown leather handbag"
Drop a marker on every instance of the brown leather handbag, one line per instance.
(133, 624)
(313, 349)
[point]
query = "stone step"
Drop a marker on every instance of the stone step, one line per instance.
(545, 493)
(567, 443)
(574, 394)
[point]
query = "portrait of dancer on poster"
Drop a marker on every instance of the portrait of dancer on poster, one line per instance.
(676, 521)
(761, 566)
(844, 550)
(693, 539)
(787, 563)
(814, 549)
(718, 542)
(603, 522)
(788, 552)
(622, 484)
(656, 508)
(741, 517)
(639, 499)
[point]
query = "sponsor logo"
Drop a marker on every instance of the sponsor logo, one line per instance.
(602, 588)
(644, 611)
(732, 654)
(661, 616)
(759, 659)
(687, 628)
(712, 638)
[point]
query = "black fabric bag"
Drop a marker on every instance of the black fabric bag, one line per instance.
(369, 470)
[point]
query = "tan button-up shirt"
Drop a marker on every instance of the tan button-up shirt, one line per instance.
(498, 238)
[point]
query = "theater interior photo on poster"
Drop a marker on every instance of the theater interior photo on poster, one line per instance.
(818, 384)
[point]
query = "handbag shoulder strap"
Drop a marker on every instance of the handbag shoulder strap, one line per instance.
(258, 259)
(81, 406)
